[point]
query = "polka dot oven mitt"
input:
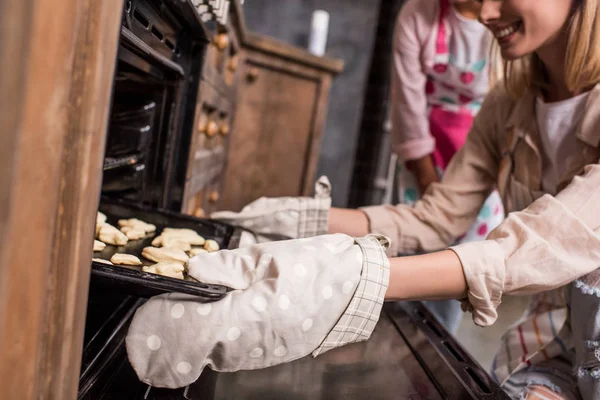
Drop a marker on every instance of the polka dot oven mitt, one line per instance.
(290, 299)
(290, 217)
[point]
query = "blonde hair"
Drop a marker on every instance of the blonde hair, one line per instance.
(496, 71)
(582, 59)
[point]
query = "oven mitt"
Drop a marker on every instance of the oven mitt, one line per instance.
(291, 298)
(284, 217)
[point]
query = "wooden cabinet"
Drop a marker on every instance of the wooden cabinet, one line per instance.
(259, 120)
(281, 102)
(215, 111)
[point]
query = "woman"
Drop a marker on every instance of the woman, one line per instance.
(531, 138)
(442, 71)
(536, 138)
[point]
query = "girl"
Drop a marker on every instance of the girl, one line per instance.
(441, 74)
(536, 138)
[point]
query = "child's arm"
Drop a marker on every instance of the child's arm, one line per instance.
(424, 170)
(411, 138)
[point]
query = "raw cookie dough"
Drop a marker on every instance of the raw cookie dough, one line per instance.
(133, 233)
(165, 255)
(172, 270)
(211, 246)
(98, 245)
(186, 235)
(125, 259)
(100, 260)
(100, 220)
(137, 223)
(175, 243)
(195, 252)
(111, 235)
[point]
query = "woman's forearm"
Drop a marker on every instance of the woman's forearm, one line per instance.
(433, 276)
(349, 222)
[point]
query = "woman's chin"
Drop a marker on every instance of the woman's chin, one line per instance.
(510, 54)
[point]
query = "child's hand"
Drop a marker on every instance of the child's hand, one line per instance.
(424, 171)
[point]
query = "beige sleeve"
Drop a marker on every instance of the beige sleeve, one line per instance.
(549, 244)
(448, 208)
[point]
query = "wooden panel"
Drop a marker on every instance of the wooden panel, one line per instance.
(294, 54)
(57, 72)
(272, 135)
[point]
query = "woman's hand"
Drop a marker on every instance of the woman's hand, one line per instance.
(424, 170)
(291, 298)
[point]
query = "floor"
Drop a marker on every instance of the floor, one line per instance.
(482, 343)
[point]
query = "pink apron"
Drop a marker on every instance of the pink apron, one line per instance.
(454, 95)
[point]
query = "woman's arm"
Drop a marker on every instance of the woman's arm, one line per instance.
(434, 276)
(349, 222)
(448, 208)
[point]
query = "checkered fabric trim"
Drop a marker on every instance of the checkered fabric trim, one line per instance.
(313, 217)
(359, 320)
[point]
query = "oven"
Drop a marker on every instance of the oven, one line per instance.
(158, 70)
(156, 84)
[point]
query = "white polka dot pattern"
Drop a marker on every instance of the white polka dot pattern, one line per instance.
(307, 324)
(177, 311)
(347, 288)
(153, 342)
(280, 351)
(257, 352)
(284, 302)
(327, 292)
(204, 309)
(233, 334)
(184, 367)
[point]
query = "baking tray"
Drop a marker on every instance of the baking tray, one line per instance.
(131, 279)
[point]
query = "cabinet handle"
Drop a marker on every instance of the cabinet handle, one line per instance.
(213, 197)
(212, 129)
(202, 127)
(224, 129)
(222, 41)
(232, 64)
(252, 74)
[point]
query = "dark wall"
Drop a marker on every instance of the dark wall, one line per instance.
(372, 160)
(352, 29)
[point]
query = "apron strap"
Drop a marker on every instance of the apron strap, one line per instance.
(442, 36)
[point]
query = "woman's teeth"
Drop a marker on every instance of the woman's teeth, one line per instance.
(507, 31)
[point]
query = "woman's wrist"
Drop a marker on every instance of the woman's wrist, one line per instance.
(433, 276)
(349, 222)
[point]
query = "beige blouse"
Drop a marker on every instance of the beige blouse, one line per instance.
(545, 242)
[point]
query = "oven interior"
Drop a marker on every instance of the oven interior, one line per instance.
(155, 91)
(157, 76)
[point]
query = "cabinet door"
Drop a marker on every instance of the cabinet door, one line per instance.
(273, 134)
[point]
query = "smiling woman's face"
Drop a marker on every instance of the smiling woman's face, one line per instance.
(522, 27)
